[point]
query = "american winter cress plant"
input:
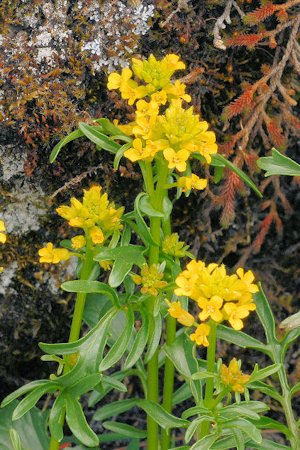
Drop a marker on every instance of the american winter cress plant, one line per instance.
(132, 318)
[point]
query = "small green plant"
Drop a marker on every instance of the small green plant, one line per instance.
(132, 318)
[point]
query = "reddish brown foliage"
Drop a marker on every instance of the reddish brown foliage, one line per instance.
(232, 183)
(239, 104)
(260, 14)
(249, 40)
(264, 228)
(276, 133)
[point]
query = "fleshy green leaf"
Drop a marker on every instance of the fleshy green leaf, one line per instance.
(71, 137)
(146, 207)
(241, 339)
(114, 409)
(30, 400)
(124, 258)
(205, 443)
(181, 394)
(265, 389)
(278, 164)
(111, 129)
(161, 416)
(266, 317)
(267, 423)
(192, 428)
(264, 373)
(155, 337)
(23, 390)
(125, 430)
(119, 347)
(91, 287)
(194, 410)
(245, 426)
(101, 140)
(139, 343)
(267, 445)
(181, 354)
(295, 388)
(15, 439)
(203, 374)
(119, 155)
(55, 426)
(77, 422)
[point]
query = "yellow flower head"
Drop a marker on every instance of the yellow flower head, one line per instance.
(78, 242)
(177, 90)
(129, 88)
(95, 210)
(192, 182)
(156, 74)
(2, 232)
(159, 97)
(175, 310)
(234, 313)
(151, 279)
(52, 255)
(232, 376)
(201, 334)
(97, 235)
(172, 246)
(139, 152)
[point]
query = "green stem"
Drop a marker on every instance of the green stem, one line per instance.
(156, 198)
(76, 322)
(209, 387)
(288, 410)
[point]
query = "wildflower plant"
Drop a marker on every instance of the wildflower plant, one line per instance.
(132, 318)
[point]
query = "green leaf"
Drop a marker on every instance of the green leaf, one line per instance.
(241, 339)
(239, 439)
(264, 373)
(224, 444)
(291, 322)
(91, 287)
(23, 390)
(290, 337)
(265, 389)
(111, 129)
(15, 439)
(71, 137)
(114, 409)
(124, 258)
(146, 207)
(119, 155)
(143, 229)
(101, 140)
(182, 356)
(194, 410)
(295, 389)
(155, 337)
(254, 406)
(85, 384)
(139, 343)
(125, 430)
(181, 394)
(31, 429)
(203, 374)
(55, 426)
(77, 423)
(30, 400)
(220, 159)
(205, 443)
(267, 423)
(113, 383)
(119, 347)
(266, 317)
(245, 426)
(232, 411)
(164, 419)
(278, 164)
(267, 445)
(194, 425)
(218, 174)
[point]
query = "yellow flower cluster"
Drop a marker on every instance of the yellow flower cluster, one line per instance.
(2, 237)
(150, 279)
(192, 182)
(172, 246)
(178, 132)
(219, 296)
(233, 377)
(95, 215)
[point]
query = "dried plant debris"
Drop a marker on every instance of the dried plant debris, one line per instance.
(49, 49)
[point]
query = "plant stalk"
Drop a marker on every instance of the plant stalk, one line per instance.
(76, 322)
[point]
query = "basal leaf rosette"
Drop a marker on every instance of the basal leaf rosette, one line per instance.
(94, 214)
(219, 297)
(163, 127)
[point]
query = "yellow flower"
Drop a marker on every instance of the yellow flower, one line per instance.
(151, 279)
(139, 153)
(97, 235)
(211, 308)
(78, 242)
(201, 334)
(177, 90)
(191, 182)
(175, 310)
(2, 234)
(248, 278)
(159, 97)
(172, 246)
(49, 254)
(129, 88)
(106, 265)
(234, 313)
(176, 159)
(144, 108)
(1, 269)
(232, 376)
